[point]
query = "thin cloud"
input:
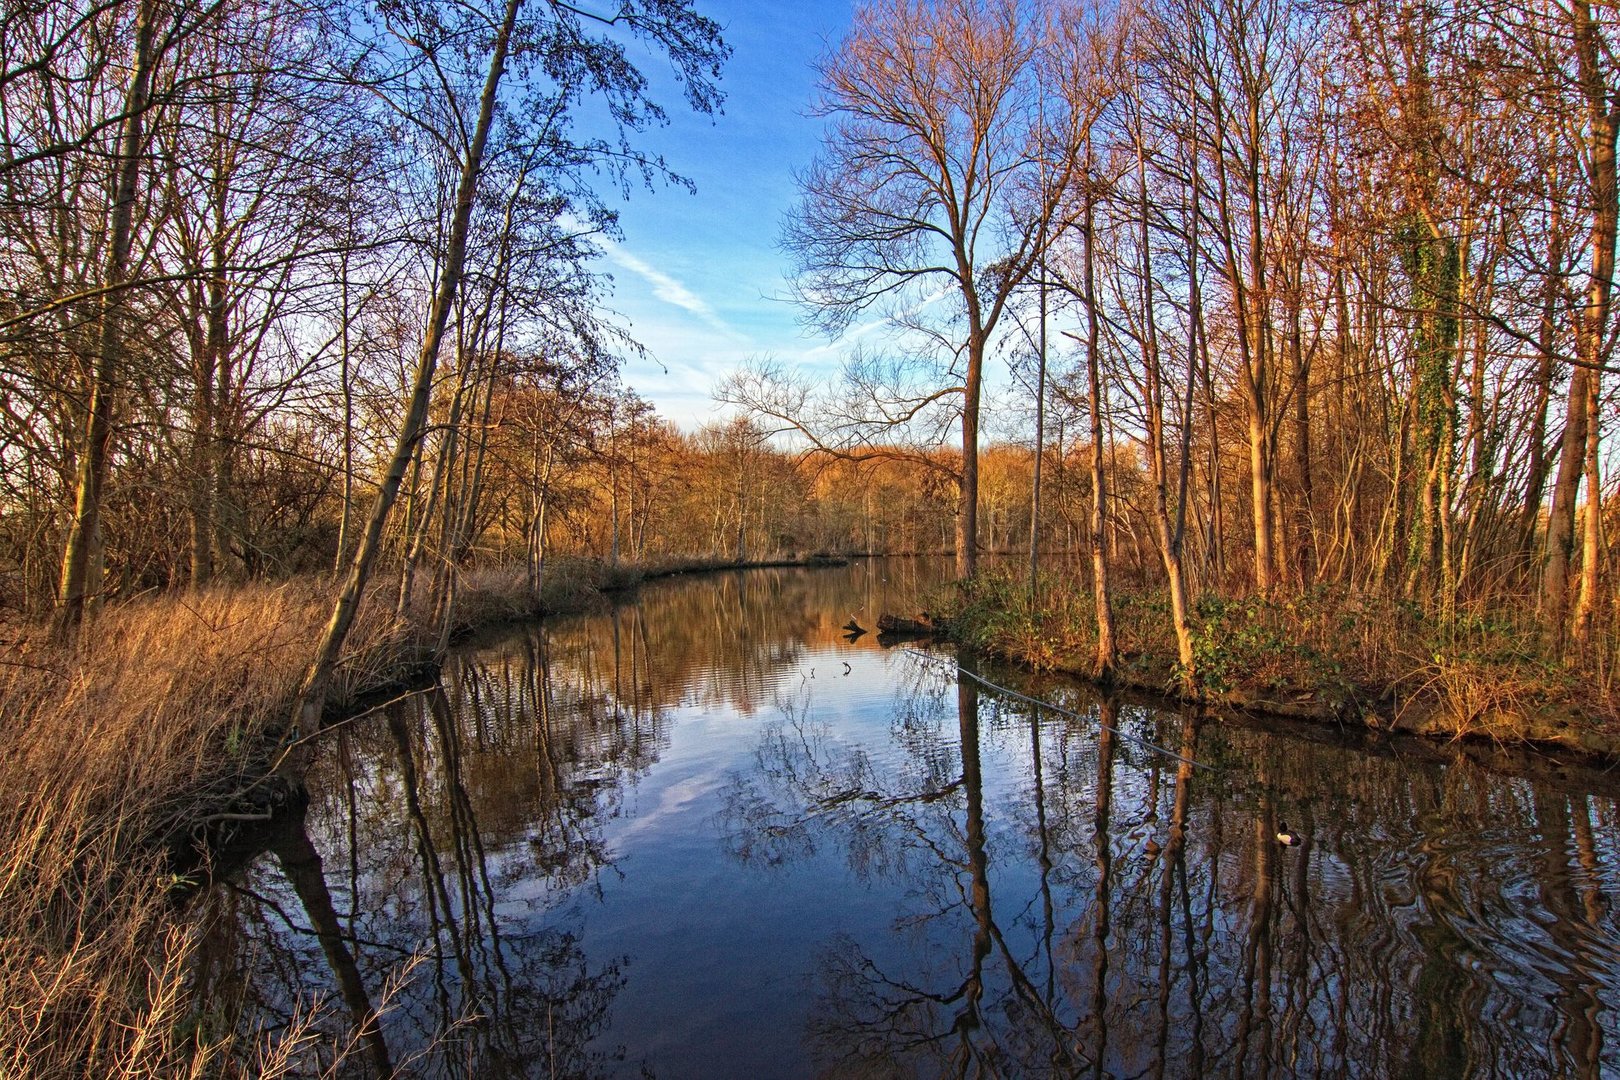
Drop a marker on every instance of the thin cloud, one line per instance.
(671, 291)
(887, 322)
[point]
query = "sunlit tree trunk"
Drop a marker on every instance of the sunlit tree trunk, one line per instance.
(1552, 289)
(1107, 651)
(313, 691)
(1040, 449)
(967, 505)
(1579, 444)
(1167, 535)
(81, 577)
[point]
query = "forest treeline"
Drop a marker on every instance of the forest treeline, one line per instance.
(1293, 294)
(272, 270)
(1325, 288)
(263, 261)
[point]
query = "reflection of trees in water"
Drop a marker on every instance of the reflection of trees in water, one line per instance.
(459, 825)
(454, 827)
(1437, 920)
(731, 638)
(1090, 907)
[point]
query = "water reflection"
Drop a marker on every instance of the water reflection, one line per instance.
(1129, 915)
(704, 835)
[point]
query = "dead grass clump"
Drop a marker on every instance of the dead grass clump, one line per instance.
(488, 594)
(153, 718)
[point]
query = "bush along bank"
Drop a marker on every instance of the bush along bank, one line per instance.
(1326, 655)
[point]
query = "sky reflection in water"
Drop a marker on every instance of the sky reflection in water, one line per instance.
(707, 836)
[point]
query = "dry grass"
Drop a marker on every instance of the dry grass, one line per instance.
(107, 747)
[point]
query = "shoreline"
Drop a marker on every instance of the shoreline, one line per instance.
(1377, 711)
(141, 760)
(414, 663)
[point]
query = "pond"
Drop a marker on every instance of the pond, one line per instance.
(707, 834)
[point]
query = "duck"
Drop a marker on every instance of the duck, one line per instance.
(854, 627)
(1286, 838)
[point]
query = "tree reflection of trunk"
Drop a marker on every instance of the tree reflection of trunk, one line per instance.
(1580, 1028)
(1592, 898)
(968, 1018)
(1595, 905)
(440, 914)
(351, 807)
(301, 864)
(1439, 1047)
(1256, 1014)
(1108, 719)
(618, 660)
(1044, 858)
(537, 661)
(1043, 1004)
(1173, 868)
(481, 928)
(648, 689)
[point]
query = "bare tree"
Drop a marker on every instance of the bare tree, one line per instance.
(937, 183)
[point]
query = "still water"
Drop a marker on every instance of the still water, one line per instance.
(705, 835)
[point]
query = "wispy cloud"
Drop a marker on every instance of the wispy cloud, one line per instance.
(891, 323)
(666, 288)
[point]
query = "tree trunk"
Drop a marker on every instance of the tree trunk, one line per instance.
(1168, 536)
(207, 451)
(1546, 344)
(967, 510)
(1603, 123)
(82, 552)
(1040, 450)
(312, 694)
(1592, 531)
(1107, 650)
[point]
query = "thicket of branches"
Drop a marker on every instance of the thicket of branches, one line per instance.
(240, 239)
(1325, 291)
(1326, 287)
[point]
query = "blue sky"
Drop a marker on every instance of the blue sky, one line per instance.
(698, 277)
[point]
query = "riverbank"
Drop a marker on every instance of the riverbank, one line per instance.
(161, 727)
(1330, 657)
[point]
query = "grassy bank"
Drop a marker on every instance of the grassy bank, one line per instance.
(1328, 655)
(156, 726)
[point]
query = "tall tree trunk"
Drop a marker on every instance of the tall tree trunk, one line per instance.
(1561, 518)
(81, 583)
(1168, 536)
(1546, 347)
(1592, 530)
(1040, 448)
(1254, 398)
(1603, 123)
(1107, 650)
(312, 694)
(207, 451)
(1305, 530)
(967, 510)
(344, 377)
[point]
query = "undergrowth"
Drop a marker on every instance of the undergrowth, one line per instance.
(1475, 665)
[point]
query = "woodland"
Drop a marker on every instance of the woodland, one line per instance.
(1269, 338)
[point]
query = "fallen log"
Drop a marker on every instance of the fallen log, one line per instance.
(922, 626)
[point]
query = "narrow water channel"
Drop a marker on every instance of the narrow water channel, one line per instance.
(706, 835)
